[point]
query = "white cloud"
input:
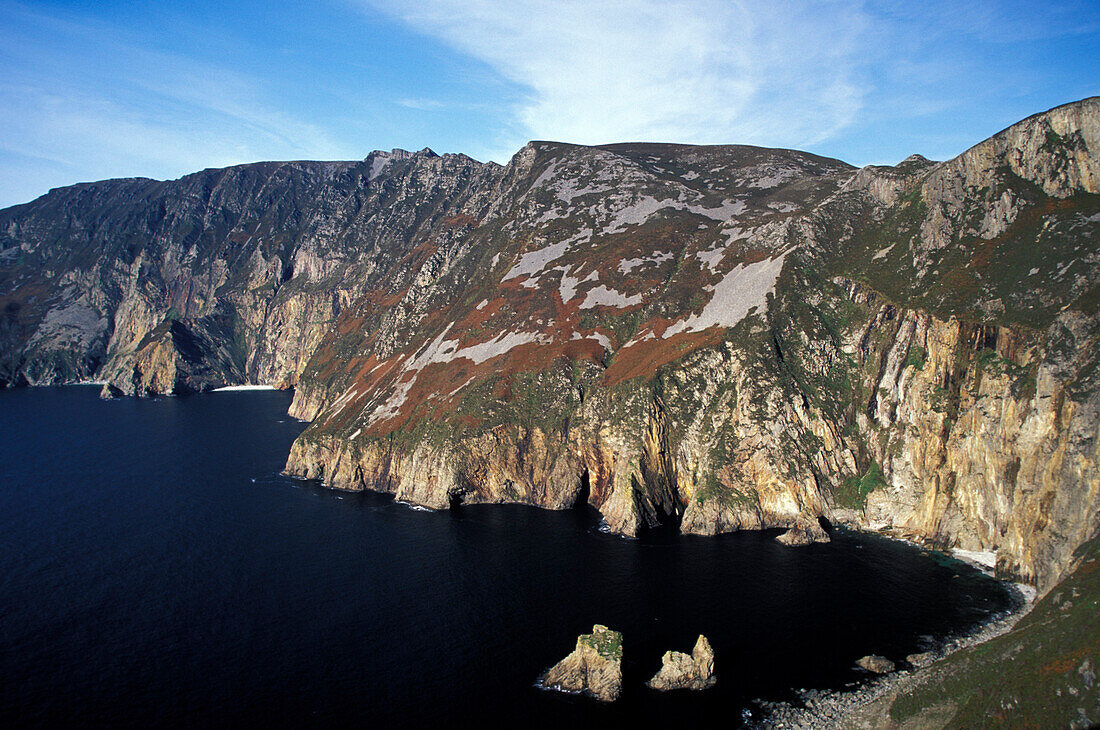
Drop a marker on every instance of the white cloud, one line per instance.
(705, 71)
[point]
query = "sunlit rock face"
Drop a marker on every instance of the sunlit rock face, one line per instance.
(724, 337)
(593, 668)
(693, 671)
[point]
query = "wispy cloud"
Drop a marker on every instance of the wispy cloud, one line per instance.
(99, 90)
(845, 77)
(423, 105)
(87, 100)
(687, 70)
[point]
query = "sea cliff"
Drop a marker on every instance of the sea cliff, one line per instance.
(721, 337)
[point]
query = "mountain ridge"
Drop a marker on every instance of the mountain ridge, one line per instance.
(722, 336)
(718, 337)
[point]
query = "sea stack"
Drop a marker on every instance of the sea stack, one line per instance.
(686, 671)
(594, 667)
(806, 531)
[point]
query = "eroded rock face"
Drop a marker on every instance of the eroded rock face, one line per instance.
(686, 671)
(728, 337)
(255, 260)
(594, 667)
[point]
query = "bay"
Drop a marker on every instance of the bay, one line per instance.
(159, 572)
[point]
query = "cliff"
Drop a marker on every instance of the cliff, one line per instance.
(247, 266)
(723, 337)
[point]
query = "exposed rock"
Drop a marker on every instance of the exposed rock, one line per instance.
(876, 664)
(921, 659)
(725, 337)
(806, 531)
(686, 671)
(594, 667)
(177, 357)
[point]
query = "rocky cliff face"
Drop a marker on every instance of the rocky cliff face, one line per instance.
(244, 268)
(724, 337)
(594, 666)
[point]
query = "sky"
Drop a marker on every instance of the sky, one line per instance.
(100, 89)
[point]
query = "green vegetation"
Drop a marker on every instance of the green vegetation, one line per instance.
(942, 401)
(623, 324)
(1087, 379)
(854, 491)
(918, 356)
(714, 491)
(1024, 275)
(990, 362)
(540, 399)
(421, 429)
(1042, 673)
(608, 644)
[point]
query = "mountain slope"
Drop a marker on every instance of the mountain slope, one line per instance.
(725, 337)
(908, 347)
(253, 260)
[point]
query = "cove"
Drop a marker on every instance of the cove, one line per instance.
(158, 571)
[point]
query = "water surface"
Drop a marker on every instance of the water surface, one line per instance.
(158, 572)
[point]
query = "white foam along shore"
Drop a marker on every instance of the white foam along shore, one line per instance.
(243, 387)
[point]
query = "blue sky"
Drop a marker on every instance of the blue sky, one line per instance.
(91, 90)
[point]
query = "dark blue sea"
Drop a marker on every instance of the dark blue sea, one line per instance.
(156, 571)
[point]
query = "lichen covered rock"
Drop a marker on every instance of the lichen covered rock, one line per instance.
(920, 659)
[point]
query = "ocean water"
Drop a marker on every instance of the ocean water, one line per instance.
(158, 572)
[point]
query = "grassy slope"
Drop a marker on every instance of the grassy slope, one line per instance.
(1041, 674)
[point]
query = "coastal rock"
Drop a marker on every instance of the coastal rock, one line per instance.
(806, 531)
(877, 664)
(686, 671)
(921, 659)
(720, 337)
(594, 667)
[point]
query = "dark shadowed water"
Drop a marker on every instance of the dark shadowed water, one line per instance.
(156, 571)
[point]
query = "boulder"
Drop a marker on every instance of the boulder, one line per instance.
(806, 530)
(594, 667)
(684, 671)
(876, 664)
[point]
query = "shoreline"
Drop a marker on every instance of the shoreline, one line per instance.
(845, 708)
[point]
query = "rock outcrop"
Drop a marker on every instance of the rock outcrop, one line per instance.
(806, 531)
(877, 664)
(686, 671)
(724, 337)
(594, 667)
(921, 659)
(252, 263)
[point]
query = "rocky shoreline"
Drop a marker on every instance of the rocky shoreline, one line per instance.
(865, 706)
